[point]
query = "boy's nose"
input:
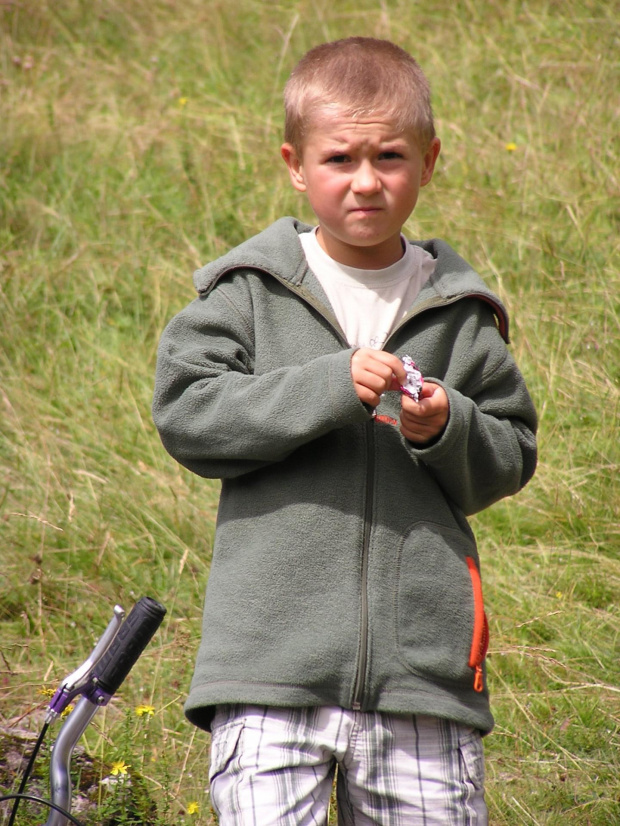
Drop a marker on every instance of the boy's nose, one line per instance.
(365, 180)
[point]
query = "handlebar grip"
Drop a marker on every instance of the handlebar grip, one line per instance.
(134, 635)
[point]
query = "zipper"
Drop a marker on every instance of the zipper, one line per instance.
(362, 656)
(480, 635)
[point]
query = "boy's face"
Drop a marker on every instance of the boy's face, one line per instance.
(362, 177)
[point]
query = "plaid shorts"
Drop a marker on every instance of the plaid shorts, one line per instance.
(275, 767)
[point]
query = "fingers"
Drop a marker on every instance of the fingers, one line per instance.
(425, 420)
(373, 372)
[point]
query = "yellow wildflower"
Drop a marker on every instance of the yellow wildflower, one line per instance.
(511, 147)
(141, 710)
(47, 692)
(119, 767)
(182, 102)
(193, 808)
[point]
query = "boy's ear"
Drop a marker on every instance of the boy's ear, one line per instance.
(430, 159)
(293, 163)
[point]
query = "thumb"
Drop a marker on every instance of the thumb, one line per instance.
(429, 388)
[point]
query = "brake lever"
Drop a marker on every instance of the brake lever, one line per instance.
(80, 680)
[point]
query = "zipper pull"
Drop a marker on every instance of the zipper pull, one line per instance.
(479, 680)
(379, 417)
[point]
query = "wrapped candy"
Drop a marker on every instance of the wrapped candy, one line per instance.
(414, 381)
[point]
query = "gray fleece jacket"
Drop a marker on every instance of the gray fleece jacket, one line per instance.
(344, 570)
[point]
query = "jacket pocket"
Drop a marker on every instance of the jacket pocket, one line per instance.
(440, 624)
(480, 635)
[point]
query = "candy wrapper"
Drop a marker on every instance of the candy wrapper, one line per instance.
(414, 382)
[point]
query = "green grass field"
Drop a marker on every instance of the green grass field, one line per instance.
(140, 139)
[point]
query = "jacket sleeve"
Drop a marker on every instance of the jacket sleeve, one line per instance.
(220, 419)
(488, 449)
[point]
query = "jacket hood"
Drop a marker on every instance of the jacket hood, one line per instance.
(271, 251)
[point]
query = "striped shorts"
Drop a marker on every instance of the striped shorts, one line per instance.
(276, 766)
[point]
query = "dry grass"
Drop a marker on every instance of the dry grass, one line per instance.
(137, 141)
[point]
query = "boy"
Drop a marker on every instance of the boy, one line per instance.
(344, 622)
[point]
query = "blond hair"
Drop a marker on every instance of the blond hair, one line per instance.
(363, 76)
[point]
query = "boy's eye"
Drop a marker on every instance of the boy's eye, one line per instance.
(390, 156)
(338, 159)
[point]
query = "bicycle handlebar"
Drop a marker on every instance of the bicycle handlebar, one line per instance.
(133, 636)
(101, 678)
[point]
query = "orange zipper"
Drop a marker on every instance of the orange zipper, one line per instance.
(480, 636)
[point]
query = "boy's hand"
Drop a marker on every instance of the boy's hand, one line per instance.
(375, 371)
(424, 420)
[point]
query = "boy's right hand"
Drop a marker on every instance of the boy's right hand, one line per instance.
(375, 371)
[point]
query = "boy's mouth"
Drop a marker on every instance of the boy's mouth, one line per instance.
(365, 210)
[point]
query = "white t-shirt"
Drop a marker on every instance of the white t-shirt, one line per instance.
(369, 303)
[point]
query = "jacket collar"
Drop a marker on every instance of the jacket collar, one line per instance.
(276, 251)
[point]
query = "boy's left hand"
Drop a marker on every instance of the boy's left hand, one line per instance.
(424, 420)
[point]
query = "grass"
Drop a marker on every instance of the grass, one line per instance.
(139, 140)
